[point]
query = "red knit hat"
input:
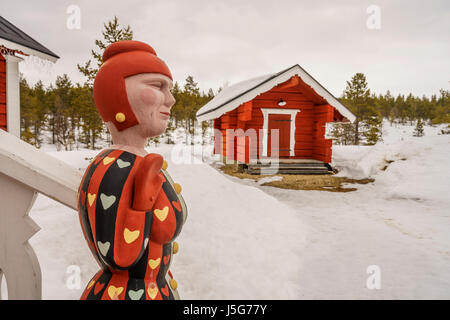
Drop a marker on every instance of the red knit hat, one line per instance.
(120, 60)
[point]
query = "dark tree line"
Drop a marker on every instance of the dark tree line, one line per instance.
(62, 113)
(65, 113)
(370, 110)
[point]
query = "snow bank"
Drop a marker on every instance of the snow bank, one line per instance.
(409, 167)
(399, 223)
(246, 241)
(269, 179)
(237, 243)
(398, 143)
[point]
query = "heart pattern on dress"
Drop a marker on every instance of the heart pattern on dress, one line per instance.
(135, 295)
(114, 292)
(154, 263)
(161, 214)
(108, 160)
(166, 259)
(103, 247)
(91, 283)
(98, 287)
(91, 198)
(165, 290)
(152, 291)
(177, 205)
(122, 164)
(107, 201)
(130, 236)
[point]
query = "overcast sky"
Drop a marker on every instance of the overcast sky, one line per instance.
(229, 41)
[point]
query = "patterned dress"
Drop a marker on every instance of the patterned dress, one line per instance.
(133, 247)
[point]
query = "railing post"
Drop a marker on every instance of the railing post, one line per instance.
(17, 258)
(25, 171)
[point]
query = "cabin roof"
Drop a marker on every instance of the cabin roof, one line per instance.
(233, 96)
(14, 38)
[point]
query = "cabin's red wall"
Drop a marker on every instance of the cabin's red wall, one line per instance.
(304, 130)
(322, 147)
(2, 93)
(217, 138)
(310, 142)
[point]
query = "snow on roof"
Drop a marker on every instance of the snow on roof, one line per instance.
(232, 91)
(14, 38)
(233, 96)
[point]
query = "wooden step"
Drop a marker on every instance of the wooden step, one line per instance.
(322, 170)
(289, 165)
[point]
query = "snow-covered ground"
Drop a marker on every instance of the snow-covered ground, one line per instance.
(400, 223)
(243, 240)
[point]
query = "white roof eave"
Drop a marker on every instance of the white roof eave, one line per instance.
(266, 86)
(27, 50)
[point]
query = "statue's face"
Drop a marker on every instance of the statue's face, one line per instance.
(150, 98)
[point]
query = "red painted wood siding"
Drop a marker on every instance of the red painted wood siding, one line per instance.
(282, 123)
(2, 93)
(322, 146)
(217, 137)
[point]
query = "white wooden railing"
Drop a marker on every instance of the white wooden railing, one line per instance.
(24, 172)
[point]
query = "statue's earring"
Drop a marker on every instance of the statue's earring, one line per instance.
(120, 117)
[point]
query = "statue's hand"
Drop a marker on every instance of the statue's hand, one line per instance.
(148, 182)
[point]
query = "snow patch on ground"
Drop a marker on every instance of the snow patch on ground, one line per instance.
(233, 240)
(269, 179)
(243, 240)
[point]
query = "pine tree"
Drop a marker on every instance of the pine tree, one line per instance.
(64, 113)
(441, 112)
(27, 106)
(445, 130)
(418, 130)
(385, 103)
(156, 140)
(90, 122)
(372, 126)
(206, 124)
(51, 114)
(410, 108)
(169, 132)
(343, 133)
(92, 126)
(357, 97)
(402, 108)
(112, 33)
(177, 110)
(191, 104)
(40, 115)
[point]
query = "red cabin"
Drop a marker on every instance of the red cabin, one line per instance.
(278, 117)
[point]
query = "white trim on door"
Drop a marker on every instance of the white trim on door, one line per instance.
(266, 112)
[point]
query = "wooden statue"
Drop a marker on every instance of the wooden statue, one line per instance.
(130, 209)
